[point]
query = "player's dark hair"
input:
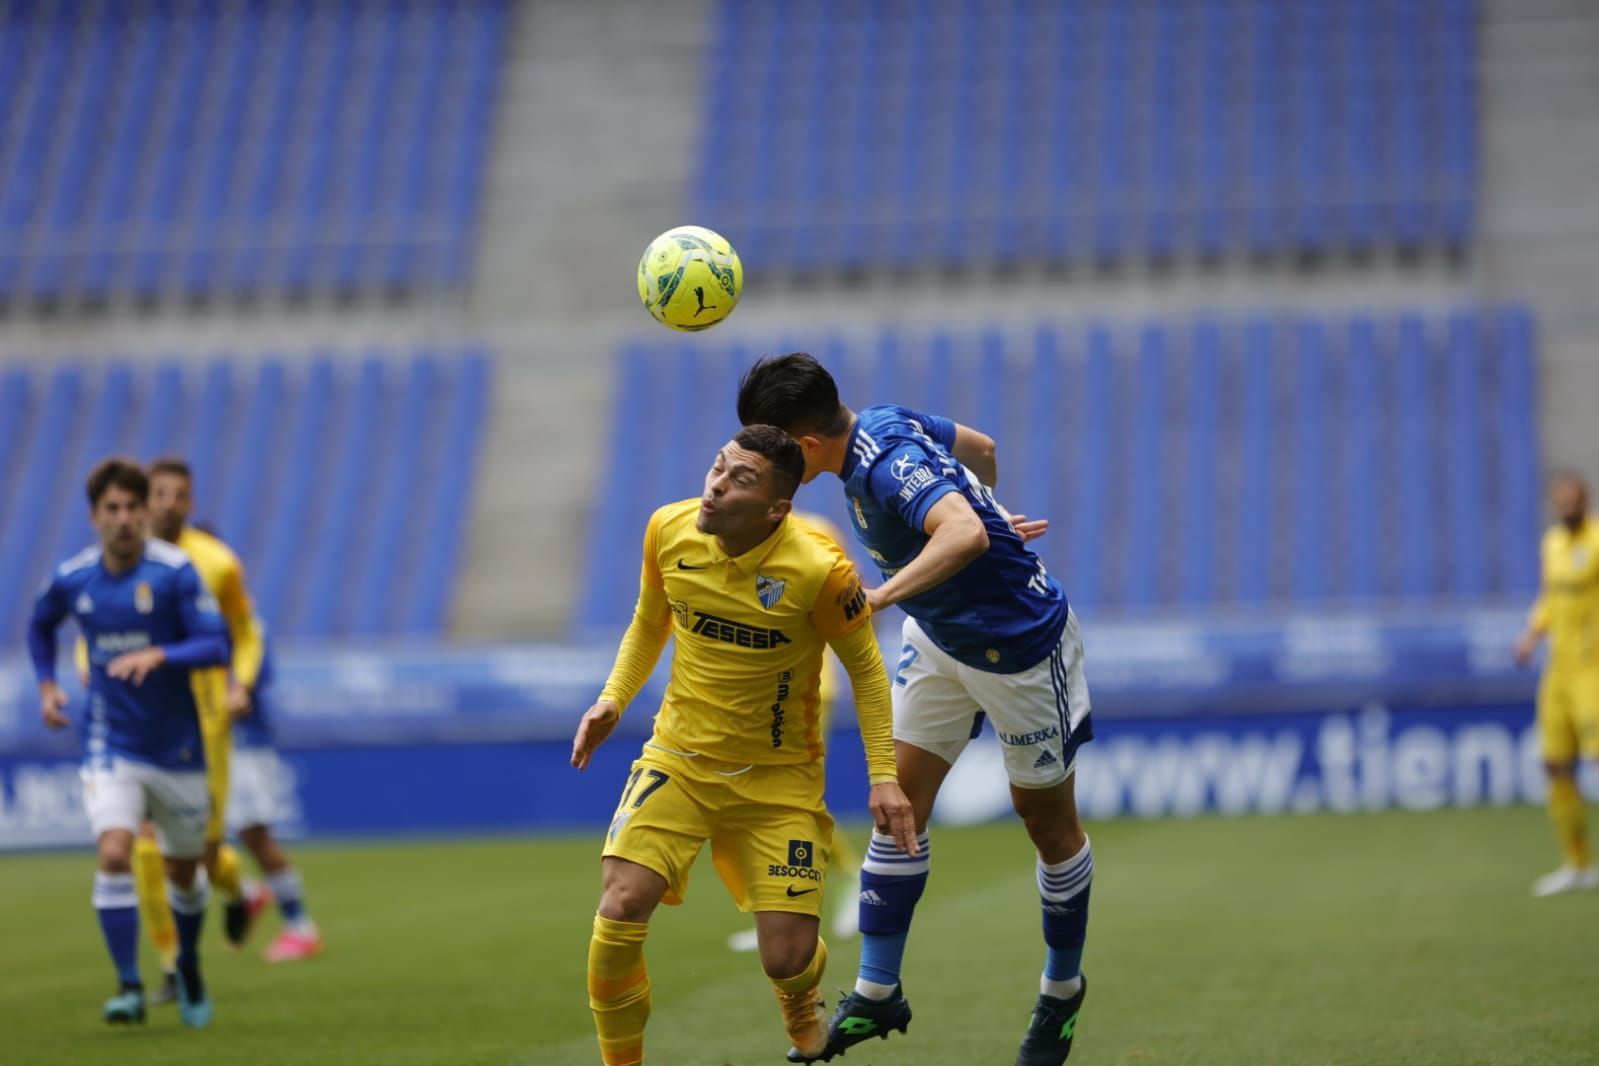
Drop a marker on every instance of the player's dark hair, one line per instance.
(794, 392)
(117, 471)
(784, 452)
(171, 464)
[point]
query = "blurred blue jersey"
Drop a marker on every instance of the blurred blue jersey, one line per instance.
(1003, 613)
(161, 601)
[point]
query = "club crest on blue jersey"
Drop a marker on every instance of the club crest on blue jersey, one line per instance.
(769, 590)
(143, 598)
(84, 605)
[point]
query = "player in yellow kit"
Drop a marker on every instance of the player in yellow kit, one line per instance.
(843, 860)
(221, 692)
(736, 757)
(1567, 610)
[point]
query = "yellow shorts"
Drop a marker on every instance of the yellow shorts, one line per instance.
(769, 829)
(1568, 714)
(216, 729)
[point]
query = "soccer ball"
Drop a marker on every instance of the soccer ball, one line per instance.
(690, 278)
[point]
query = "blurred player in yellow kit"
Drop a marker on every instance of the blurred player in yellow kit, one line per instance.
(1567, 610)
(736, 757)
(843, 861)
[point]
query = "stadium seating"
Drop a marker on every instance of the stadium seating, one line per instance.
(1197, 464)
(267, 145)
(840, 134)
(343, 483)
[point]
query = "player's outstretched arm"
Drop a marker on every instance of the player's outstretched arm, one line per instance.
(977, 453)
(592, 731)
(891, 810)
(1527, 644)
(956, 537)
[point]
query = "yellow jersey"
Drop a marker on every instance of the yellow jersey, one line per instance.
(750, 631)
(1567, 608)
(829, 689)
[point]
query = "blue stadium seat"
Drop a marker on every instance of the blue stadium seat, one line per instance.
(1306, 460)
(955, 133)
(322, 510)
(440, 543)
(225, 148)
(1198, 584)
(48, 480)
(1417, 552)
(1360, 530)
(1255, 499)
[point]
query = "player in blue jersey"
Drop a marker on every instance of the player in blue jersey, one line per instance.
(988, 630)
(148, 620)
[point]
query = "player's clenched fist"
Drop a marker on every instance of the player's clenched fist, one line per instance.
(53, 705)
(597, 723)
(892, 814)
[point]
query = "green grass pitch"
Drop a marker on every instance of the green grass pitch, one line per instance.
(1399, 938)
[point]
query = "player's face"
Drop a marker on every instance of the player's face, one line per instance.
(739, 494)
(119, 518)
(1570, 499)
(170, 505)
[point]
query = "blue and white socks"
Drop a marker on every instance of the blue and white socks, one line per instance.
(288, 890)
(188, 911)
(891, 884)
(116, 902)
(1063, 890)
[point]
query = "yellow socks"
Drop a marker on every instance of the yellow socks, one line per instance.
(803, 982)
(804, 1018)
(619, 989)
(228, 877)
(150, 878)
(1571, 822)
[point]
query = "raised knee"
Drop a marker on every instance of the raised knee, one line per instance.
(626, 903)
(783, 961)
(116, 856)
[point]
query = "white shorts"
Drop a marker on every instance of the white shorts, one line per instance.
(1041, 715)
(121, 793)
(255, 790)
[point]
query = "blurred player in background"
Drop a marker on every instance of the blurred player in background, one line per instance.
(737, 753)
(231, 711)
(255, 805)
(1567, 611)
(844, 860)
(149, 622)
(988, 630)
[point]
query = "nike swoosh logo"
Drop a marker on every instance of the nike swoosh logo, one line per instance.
(681, 565)
(805, 892)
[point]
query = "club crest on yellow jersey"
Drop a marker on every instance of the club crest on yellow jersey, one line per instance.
(769, 590)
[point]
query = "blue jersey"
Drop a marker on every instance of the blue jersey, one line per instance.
(160, 601)
(254, 730)
(1003, 613)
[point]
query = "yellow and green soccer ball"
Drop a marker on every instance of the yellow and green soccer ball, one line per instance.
(690, 278)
